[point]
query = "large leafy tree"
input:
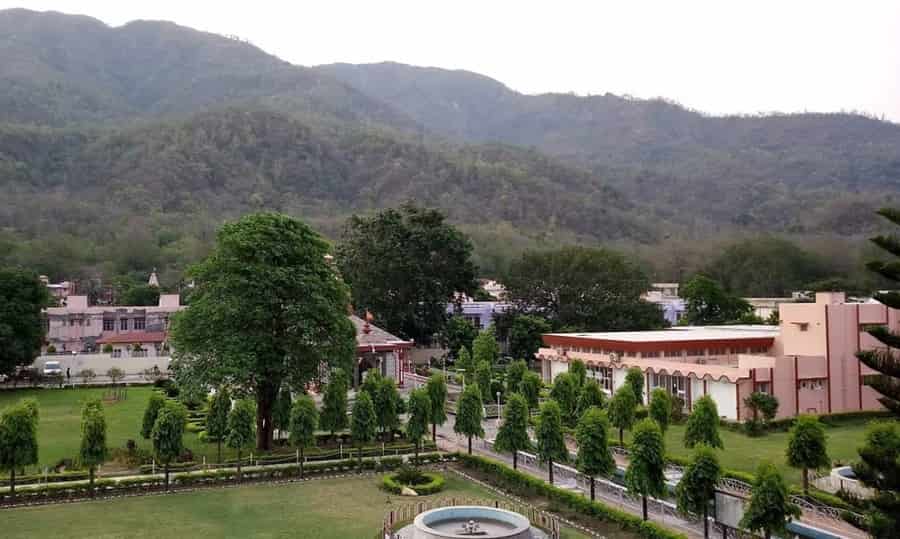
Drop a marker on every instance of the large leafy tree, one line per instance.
(168, 435)
(217, 418)
(18, 439)
(267, 309)
(697, 487)
(457, 333)
(281, 412)
(578, 370)
(660, 409)
(879, 468)
(437, 393)
(565, 392)
(525, 334)
(592, 435)
(513, 434)
(708, 303)
(240, 428)
(770, 507)
(93, 450)
(514, 373)
(22, 296)
(404, 265)
(621, 410)
(703, 424)
(483, 377)
(530, 388)
(334, 403)
(647, 462)
(551, 446)
(807, 446)
(419, 417)
(469, 414)
(634, 378)
(590, 395)
(304, 420)
(386, 400)
(485, 347)
(583, 289)
(363, 424)
(154, 405)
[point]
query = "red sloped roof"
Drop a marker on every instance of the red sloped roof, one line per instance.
(132, 337)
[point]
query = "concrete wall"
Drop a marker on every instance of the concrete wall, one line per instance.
(100, 363)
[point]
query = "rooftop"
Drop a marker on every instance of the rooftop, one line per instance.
(686, 333)
(376, 336)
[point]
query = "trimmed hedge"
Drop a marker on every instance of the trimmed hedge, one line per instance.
(276, 472)
(832, 420)
(434, 485)
(50, 478)
(516, 481)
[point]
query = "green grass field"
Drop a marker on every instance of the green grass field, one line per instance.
(743, 453)
(59, 429)
(321, 509)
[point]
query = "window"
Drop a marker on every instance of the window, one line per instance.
(631, 353)
(812, 385)
(762, 387)
(697, 352)
(650, 354)
(139, 323)
(87, 322)
(674, 385)
(109, 324)
(672, 353)
(604, 377)
(117, 352)
(123, 324)
(71, 322)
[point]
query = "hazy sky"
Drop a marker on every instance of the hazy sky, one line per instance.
(718, 56)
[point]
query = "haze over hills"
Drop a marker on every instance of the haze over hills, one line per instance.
(153, 133)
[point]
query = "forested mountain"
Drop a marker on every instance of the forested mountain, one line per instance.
(124, 148)
(798, 172)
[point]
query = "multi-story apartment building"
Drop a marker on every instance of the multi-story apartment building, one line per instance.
(808, 362)
(78, 327)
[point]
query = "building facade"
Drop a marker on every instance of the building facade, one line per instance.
(808, 362)
(480, 314)
(78, 327)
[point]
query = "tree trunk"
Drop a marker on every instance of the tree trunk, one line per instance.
(434, 432)
(220, 450)
(91, 471)
(644, 506)
(550, 469)
(166, 472)
(622, 437)
(592, 488)
(359, 458)
(470, 445)
(806, 481)
(768, 534)
(301, 462)
(705, 521)
(12, 482)
(239, 464)
(266, 394)
(416, 454)
(515, 460)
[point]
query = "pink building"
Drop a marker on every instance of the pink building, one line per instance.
(78, 327)
(808, 362)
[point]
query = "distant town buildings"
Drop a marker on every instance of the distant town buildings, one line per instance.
(808, 362)
(493, 288)
(58, 291)
(665, 295)
(480, 314)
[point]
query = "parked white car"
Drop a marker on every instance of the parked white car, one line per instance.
(52, 368)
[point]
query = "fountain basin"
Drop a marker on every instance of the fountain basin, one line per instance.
(489, 523)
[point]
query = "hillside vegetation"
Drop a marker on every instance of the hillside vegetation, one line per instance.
(123, 148)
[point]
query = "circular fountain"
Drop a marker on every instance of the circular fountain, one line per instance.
(467, 521)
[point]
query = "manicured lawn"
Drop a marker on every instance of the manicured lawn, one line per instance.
(59, 429)
(321, 509)
(743, 453)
